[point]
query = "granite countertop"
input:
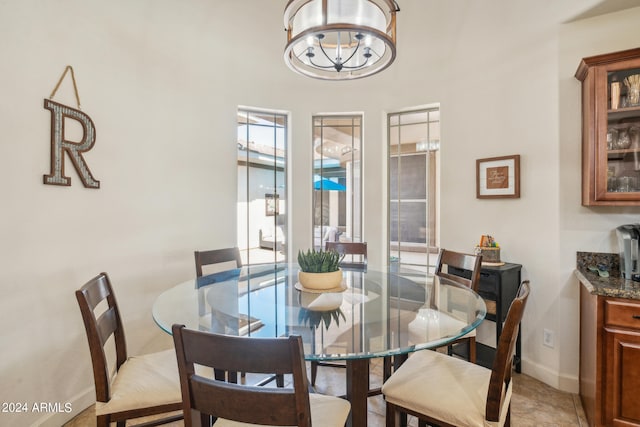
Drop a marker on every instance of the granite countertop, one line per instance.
(612, 286)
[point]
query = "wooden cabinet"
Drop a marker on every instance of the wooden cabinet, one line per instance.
(622, 360)
(610, 359)
(498, 287)
(611, 128)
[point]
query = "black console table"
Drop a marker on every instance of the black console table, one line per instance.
(499, 287)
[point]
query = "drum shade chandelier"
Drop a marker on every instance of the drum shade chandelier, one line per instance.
(340, 39)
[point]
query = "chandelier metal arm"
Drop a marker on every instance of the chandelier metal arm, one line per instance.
(333, 66)
(325, 54)
(338, 64)
(355, 67)
(354, 52)
(321, 66)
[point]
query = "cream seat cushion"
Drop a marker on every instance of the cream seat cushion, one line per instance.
(143, 381)
(445, 388)
(326, 411)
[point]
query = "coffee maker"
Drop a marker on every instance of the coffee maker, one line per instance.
(628, 241)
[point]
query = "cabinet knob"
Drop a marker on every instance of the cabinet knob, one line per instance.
(636, 316)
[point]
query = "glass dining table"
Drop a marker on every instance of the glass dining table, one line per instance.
(374, 314)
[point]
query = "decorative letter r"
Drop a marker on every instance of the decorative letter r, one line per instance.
(58, 143)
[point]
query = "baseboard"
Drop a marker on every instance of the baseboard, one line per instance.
(79, 403)
(566, 383)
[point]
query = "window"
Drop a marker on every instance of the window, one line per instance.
(262, 192)
(414, 142)
(337, 183)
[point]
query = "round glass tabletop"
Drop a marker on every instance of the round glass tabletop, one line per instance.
(373, 313)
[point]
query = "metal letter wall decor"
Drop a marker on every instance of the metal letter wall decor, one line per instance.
(60, 145)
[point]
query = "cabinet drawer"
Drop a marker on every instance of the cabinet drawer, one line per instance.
(489, 283)
(622, 314)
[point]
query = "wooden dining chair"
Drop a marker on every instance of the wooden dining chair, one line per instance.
(216, 256)
(447, 391)
(206, 400)
(136, 386)
(473, 264)
(355, 253)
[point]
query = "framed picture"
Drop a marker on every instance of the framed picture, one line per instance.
(498, 177)
(271, 202)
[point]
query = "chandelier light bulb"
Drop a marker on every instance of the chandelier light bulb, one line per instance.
(367, 41)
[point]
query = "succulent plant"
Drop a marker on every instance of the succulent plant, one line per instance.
(320, 261)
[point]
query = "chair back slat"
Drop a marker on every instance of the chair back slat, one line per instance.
(230, 401)
(215, 397)
(97, 291)
(503, 362)
(235, 353)
(471, 263)
(216, 256)
(107, 324)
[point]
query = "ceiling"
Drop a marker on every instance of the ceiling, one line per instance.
(607, 6)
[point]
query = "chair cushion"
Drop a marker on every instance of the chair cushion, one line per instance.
(326, 411)
(444, 388)
(144, 381)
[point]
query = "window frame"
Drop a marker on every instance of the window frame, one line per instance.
(258, 158)
(428, 146)
(352, 206)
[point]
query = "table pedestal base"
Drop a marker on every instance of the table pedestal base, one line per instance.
(358, 391)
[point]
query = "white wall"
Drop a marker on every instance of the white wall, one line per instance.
(162, 80)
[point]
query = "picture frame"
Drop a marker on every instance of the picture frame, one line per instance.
(271, 204)
(498, 177)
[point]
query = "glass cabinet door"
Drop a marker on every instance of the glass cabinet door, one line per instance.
(611, 128)
(623, 131)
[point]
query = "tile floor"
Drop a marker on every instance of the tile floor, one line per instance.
(534, 404)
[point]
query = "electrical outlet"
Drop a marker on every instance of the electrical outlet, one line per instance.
(547, 338)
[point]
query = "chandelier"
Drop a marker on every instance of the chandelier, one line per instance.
(340, 39)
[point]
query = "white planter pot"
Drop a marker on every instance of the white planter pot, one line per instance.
(320, 281)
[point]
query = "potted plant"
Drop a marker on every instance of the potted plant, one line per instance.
(319, 270)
